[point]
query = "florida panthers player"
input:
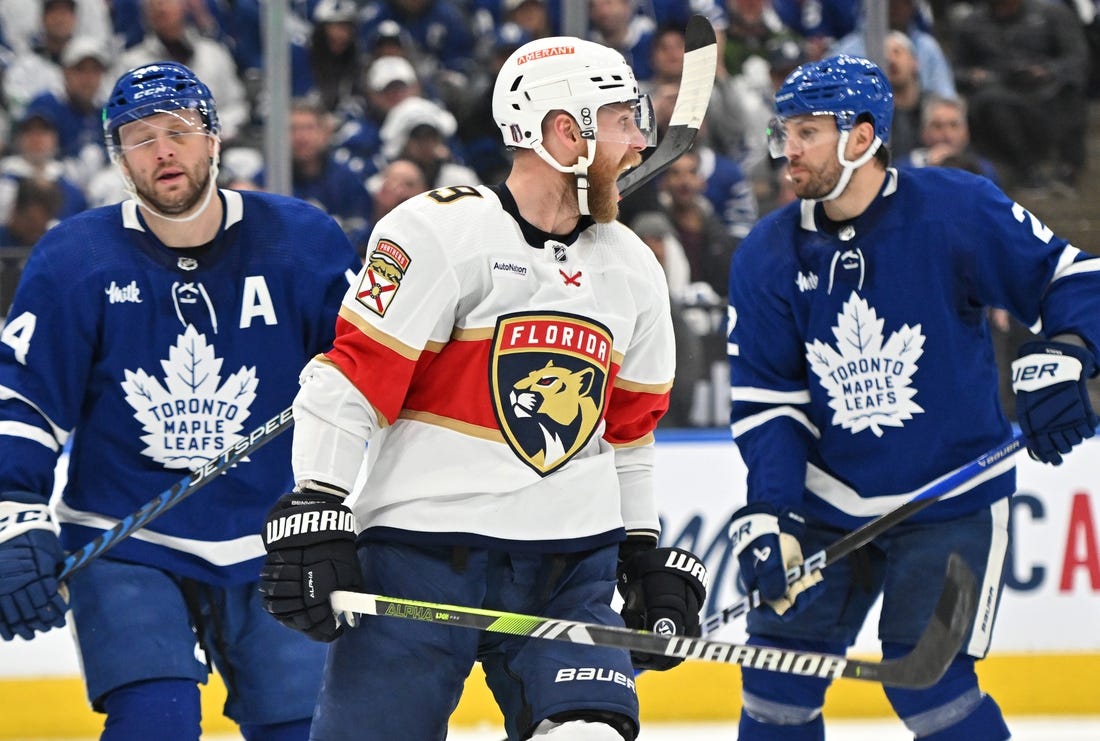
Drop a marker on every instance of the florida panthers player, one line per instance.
(507, 352)
(150, 335)
(862, 369)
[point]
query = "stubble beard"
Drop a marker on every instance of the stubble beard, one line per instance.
(180, 202)
(819, 184)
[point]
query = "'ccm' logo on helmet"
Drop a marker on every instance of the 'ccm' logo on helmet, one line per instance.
(552, 51)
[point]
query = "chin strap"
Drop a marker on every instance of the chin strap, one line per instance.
(849, 167)
(579, 171)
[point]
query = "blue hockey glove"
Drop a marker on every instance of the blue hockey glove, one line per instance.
(766, 546)
(310, 540)
(663, 590)
(30, 556)
(1052, 400)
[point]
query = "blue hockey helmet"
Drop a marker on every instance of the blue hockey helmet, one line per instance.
(156, 88)
(844, 86)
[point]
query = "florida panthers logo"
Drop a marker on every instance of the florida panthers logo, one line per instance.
(549, 380)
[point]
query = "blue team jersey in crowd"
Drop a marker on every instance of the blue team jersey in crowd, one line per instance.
(861, 361)
(154, 360)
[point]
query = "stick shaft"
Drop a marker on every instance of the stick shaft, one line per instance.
(864, 534)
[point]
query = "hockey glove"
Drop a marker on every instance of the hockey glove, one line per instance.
(766, 546)
(30, 556)
(1052, 400)
(663, 590)
(310, 540)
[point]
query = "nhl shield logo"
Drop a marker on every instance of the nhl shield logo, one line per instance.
(382, 276)
(548, 378)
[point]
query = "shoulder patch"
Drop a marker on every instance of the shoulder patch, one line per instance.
(382, 276)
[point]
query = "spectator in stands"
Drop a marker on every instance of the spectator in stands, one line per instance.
(752, 25)
(902, 70)
(477, 129)
(1023, 65)
(533, 16)
(36, 69)
(34, 210)
(34, 156)
(77, 109)
(23, 25)
(170, 36)
(936, 75)
(423, 131)
(335, 62)
(439, 30)
(616, 23)
(707, 244)
(398, 181)
(389, 80)
(655, 229)
(819, 22)
(319, 177)
(945, 139)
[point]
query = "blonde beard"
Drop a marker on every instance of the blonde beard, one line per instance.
(603, 195)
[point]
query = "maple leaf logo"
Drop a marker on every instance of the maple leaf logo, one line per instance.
(868, 380)
(191, 418)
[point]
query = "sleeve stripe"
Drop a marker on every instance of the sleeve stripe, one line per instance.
(756, 420)
(60, 436)
(769, 396)
(29, 432)
(1065, 261)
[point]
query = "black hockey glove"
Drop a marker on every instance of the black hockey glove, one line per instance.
(310, 540)
(663, 590)
(1052, 400)
(766, 546)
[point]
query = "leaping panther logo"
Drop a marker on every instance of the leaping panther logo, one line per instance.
(549, 381)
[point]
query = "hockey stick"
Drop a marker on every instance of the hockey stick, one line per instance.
(937, 490)
(921, 667)
(179, 491)
(696, 83)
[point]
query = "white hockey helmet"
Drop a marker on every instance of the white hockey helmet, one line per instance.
(563, 73)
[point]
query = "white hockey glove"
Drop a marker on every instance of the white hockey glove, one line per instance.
(766, 546)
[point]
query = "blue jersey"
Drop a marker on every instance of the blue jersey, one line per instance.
(860, 357)
(152, 360)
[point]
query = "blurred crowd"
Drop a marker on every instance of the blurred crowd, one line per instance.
(392, 97)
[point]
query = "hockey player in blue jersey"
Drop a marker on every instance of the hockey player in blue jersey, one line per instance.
(150, 335)
(861, 369)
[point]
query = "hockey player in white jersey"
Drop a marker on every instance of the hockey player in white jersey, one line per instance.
(507, 352)
(862, 369)
(150, 335)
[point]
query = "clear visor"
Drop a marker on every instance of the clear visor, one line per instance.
(779, 133)
(627, 122)
(142, 126)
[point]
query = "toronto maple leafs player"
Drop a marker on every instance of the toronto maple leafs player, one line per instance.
(150, 335)
(862, 369)
(508, 352)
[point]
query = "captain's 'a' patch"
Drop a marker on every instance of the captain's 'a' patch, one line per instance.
(382, 275)
(548, 377)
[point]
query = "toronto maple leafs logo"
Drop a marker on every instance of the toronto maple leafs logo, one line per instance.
(193, 416)
(868, 380)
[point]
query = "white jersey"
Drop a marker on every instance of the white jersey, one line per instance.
(509, 381)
